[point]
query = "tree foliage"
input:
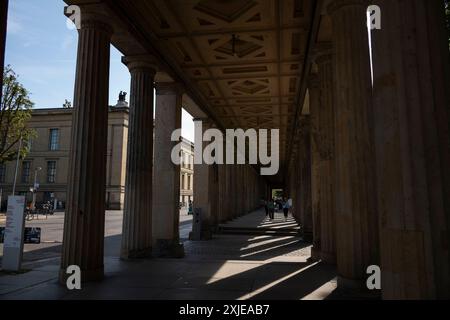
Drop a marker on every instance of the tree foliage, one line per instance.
(14, 114)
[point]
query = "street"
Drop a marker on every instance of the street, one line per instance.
(52, 234)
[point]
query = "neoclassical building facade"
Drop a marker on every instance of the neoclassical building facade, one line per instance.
(48, 160)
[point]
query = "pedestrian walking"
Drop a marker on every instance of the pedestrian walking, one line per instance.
(271, 207)
(285, 209)
(190, 208)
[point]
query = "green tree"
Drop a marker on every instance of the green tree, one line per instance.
(14, 114)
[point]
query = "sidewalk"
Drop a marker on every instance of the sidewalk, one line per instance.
(232, 267)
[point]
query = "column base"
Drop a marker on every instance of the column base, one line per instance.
(316, 254)
(328, 257)
(86, 275)
(308, 236)
(356, 288)
(205, 235)
(136, 254)
(165, 248)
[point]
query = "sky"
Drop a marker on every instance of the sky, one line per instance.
(42, 50)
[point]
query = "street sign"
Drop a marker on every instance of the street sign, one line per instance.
(14, 233)
(31, 235)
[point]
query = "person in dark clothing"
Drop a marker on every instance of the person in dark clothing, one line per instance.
(271, 206)
(285, 208)
(190, 208)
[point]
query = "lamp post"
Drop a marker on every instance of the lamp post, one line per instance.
(34, 188)
(17, 166)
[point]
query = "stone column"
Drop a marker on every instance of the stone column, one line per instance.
(203, 188)
(325, 141)
(84, 221)
(3, 27)
(166, 174)
(305, 178)
(356, 217)
(411, 97)
(222, 193)
(235, 191)
(239, 190)
(227, 195)
(314, 102)
(137, 220)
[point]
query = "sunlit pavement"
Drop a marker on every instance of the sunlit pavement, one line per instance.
(228, 267)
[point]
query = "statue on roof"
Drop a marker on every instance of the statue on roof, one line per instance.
(122, 96)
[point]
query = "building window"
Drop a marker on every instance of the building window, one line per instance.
(26, 165)
(2, 173)
(54, 140)
(189, 183)
(51, 171)
(183, 163)
(30, 144)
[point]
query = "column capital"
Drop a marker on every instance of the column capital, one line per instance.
(91, 18)
(169, 88)
(336, 5)
(141, 63)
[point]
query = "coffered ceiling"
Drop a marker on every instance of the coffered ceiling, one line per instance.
(244, 58)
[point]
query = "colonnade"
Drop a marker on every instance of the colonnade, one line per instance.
(380, 174)
(151, 214)
(370, 180)
(225, 191)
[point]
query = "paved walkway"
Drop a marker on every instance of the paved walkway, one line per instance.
(228, 267)
(257, 223)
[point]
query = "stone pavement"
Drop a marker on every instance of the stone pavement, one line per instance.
(228, 267)
(257, 223)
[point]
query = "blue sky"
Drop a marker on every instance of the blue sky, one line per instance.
(42, 50)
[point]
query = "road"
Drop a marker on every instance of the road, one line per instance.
(52, 234)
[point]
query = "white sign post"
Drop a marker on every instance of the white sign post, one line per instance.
(14, 233)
